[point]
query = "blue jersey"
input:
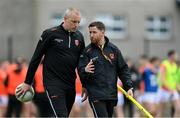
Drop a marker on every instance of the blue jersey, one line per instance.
(150, 80)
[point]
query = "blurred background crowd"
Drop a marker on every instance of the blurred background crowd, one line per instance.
(146, 73)
(146, 31)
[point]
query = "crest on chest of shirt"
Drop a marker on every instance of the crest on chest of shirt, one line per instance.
(77, 42)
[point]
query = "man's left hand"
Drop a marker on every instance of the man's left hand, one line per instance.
(84, 94)
(130, 92)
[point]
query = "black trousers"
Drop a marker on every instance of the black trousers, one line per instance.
(103, 108)
(61, 100)
(43, 105)
(14, 106)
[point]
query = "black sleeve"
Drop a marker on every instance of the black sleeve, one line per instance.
(82, 46)
(81, 53)
(82, 43)
(83, 61)
(40, 50)
(123, 72)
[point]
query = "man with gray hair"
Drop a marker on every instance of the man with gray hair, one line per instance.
(61, 47)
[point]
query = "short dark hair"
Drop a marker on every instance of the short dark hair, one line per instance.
(171, 52)
(153, 59)
(100, 25)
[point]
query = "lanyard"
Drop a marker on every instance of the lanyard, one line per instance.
(105, 56)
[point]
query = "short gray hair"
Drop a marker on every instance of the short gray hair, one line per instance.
(71, 10)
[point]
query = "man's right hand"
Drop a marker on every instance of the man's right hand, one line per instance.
(90, 67)
(22, 89)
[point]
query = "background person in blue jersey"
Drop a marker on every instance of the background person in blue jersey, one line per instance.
(149, 98)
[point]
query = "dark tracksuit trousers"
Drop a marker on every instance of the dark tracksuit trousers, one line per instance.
(103, 108)
(60, 97)
(43, 105)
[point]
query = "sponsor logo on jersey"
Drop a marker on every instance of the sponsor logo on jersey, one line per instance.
(59, 40)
